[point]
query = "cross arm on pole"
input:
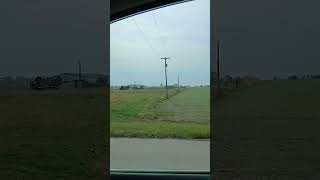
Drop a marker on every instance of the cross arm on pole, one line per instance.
(165, 69)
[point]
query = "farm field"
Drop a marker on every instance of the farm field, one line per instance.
(192, 105)
(273, 125)
(53, 134)
(147, 114)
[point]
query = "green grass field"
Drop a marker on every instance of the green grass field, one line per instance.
(51, 134)
(58, 134)
(147, 113)
(191, 105)
(273, 125)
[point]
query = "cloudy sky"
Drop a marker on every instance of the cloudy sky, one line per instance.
(268, 37)
(181, 32)
(261, 38)
(46, 37)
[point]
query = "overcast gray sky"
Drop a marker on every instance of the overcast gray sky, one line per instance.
(269, 37)
(263, 38)
(48, 37)
(183, 34)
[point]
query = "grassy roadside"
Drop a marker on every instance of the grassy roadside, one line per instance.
(127, 105)
(160, 130)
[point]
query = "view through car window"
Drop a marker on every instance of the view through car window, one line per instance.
(160, 93)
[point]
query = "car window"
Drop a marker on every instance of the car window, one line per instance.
(160, 94)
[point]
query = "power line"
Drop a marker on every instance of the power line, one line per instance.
(145, 37)
(156, 24)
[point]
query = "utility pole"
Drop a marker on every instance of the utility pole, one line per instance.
(178, 84)
(79, 74)
(79, 70)
(218, 68)
(165, 70)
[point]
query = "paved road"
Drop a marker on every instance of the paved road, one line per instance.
(159, 154)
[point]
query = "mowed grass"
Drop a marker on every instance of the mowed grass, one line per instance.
(191, 105)
(127, 104)
(148, 114)
(160, 129)
(54, 134)
(273, 125)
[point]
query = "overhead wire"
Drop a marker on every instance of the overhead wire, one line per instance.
(145, 37)
(157, 27)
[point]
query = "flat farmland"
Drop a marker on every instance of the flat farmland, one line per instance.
(167, 132)
(147, 113)
(53, 134)
(272, 125)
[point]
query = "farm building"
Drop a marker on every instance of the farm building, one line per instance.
(124, 88)
(293, 77)
(70, 80)
(85, 80)
(46, 82)
(132, 87)
(136, 86)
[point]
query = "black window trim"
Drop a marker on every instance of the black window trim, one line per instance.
(143, 8)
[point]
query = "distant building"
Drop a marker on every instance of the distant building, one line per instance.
(70, 80)
(84, 81)
(132, 87)
(46, 82)
(124, 88)
(293, 77)
(136, 86)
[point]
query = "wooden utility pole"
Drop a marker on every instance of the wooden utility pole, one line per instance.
(218, 68)
(165, 70)
(77, 84)
(79, 70)
(178, 84)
